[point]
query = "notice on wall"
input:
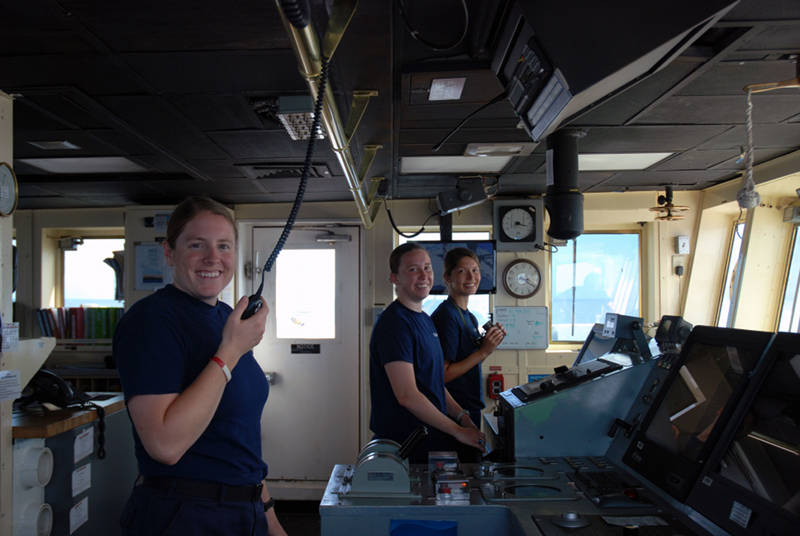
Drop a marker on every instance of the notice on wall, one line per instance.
(10, 388)
(81, 479)
(83, 444)
(152, 271)
(526, 327)
(78, 514)
(10, 336)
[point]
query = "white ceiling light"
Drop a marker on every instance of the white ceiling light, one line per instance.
(619, 162)
(499, 149)
(446, 89)
(453, 164)
(92, 164)
(59, 145)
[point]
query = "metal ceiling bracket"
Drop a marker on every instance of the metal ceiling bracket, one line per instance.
(307, 50)
(341, 13)
(374, 201)
(358, 106)
(366, 161)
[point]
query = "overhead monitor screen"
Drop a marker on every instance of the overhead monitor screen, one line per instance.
(485, 251)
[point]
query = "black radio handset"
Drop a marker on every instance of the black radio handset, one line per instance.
(254, 302)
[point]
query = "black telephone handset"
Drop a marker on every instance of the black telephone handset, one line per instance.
(47, 386)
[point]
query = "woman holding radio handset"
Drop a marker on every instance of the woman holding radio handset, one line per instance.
(463, 347)
(194, 390)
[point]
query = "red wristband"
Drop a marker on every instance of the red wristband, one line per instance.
(225, 370)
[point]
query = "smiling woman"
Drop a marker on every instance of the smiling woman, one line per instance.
(202, 256)
(177, 351)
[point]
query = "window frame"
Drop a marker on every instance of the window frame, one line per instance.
(793, 243)
(565, 345)
(737, 274)
(62, 272)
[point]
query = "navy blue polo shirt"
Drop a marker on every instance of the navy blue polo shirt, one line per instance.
(161, 345)
(401, 334)
(458, 331)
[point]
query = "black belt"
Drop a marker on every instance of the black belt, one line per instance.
(203, 489)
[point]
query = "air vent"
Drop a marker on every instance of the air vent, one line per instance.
(283, 171)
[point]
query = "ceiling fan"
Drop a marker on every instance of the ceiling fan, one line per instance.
(667, 211)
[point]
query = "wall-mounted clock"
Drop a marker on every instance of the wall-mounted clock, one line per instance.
(9, 190)
(518, 224)
(522, 278)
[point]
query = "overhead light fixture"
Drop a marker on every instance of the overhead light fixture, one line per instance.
(87, 165)
(499, 149)
(619, 161)
(446, 89)
(452, 164)
(60, 145)
(296, 115)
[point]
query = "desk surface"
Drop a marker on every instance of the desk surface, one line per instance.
(41, 422)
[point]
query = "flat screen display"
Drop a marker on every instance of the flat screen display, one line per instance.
(760, 467)
(697, 397)
(689, 414)
(484, 249)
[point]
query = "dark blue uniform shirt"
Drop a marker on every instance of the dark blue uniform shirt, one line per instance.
(161, 345)
(401, 334)
(458, 331)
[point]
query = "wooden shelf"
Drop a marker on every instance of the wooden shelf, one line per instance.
(83, 363)
(41, 422)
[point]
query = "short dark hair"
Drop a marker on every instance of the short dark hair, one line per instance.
(399, 251)
(191, 207)
(452, 258)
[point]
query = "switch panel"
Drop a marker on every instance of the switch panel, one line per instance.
(682, 245)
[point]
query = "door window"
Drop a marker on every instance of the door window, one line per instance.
(305, 294)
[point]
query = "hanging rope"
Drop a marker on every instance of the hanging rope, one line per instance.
(747, 197)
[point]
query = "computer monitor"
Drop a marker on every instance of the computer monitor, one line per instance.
(620, 334)
(751, 483)
(696, 400)
(485, 251)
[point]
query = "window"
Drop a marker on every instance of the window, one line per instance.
(592, 275)
(305, 294)
(790, 309)
(731, 278)
(88, 280)
(478, 303)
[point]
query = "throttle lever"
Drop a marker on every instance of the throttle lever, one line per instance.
(411, 441)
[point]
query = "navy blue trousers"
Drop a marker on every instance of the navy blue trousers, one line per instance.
(152, 512)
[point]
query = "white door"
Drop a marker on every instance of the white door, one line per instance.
(311, 346)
